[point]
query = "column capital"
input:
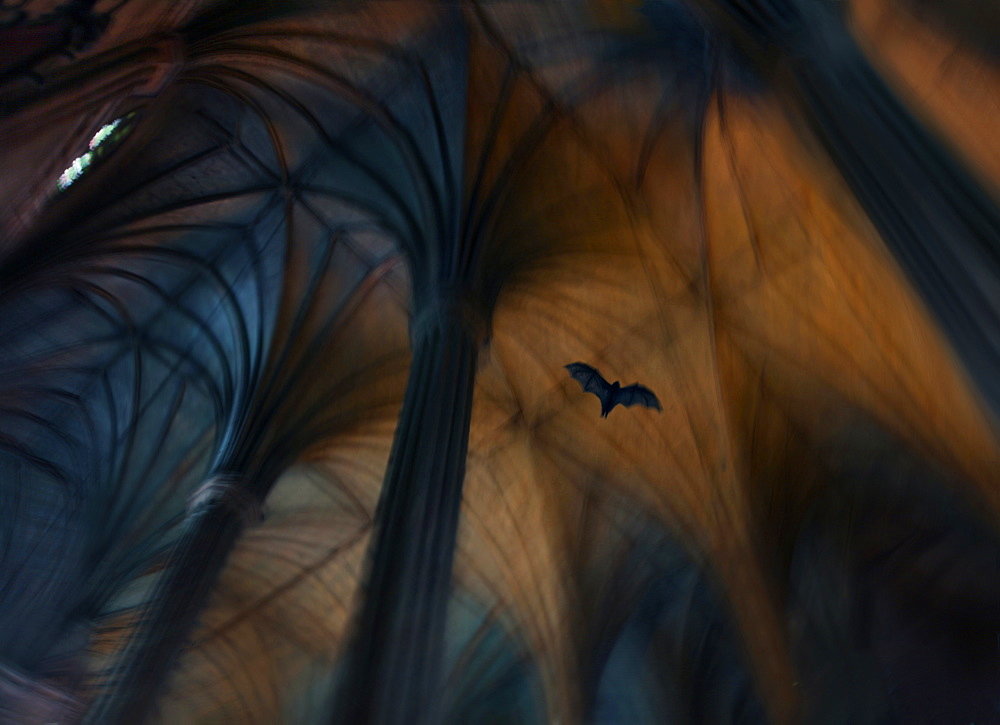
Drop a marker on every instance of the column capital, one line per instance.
(228, 490)
(449, 309)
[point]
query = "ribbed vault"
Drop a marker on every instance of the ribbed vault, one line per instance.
(342, 238)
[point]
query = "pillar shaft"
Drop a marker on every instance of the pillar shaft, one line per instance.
(392, 671)
(210, 532)
(940, 223)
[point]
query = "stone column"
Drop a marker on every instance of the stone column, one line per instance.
(217, 514)
(392, 669)
(940, 223)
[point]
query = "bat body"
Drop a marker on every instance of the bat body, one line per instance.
(611, 394)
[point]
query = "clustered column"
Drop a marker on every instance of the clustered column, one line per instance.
(939, 222)
(392, 670)
(217, 514)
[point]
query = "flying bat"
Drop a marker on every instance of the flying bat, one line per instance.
(611, 394)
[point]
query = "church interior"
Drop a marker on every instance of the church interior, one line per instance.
(288, 292)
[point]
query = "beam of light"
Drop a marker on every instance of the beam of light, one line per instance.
(81, 163)
(104, 132)
(75, 170)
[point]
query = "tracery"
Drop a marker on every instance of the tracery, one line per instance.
(324, 264)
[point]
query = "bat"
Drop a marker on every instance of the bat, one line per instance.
(611, 394)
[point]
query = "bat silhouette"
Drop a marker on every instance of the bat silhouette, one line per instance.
(611, 394)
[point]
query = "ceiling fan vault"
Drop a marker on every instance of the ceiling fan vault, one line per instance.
(285, 434)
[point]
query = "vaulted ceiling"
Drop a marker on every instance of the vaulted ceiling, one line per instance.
(662, 190)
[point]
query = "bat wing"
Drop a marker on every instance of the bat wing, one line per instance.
(590, 380)
(637, 395)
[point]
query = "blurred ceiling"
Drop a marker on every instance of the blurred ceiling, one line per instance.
(807, 532)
